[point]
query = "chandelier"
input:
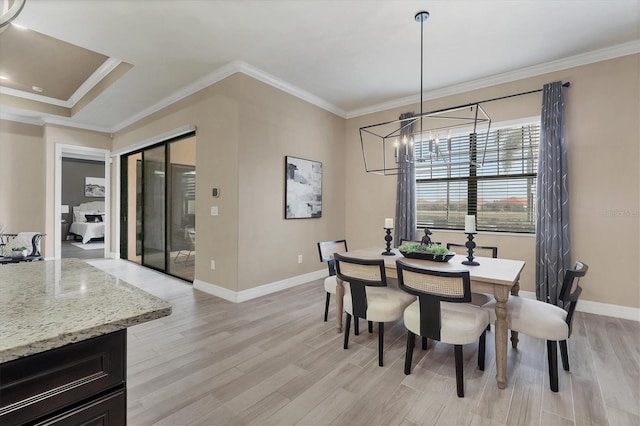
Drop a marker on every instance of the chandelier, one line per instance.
(391, 147)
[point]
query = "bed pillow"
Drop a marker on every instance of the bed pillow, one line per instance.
(93, 218)
(78, 216)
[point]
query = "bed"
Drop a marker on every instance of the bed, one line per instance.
(88, 221)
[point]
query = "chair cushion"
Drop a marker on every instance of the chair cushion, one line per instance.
(330, 285)
(384, 304)
(460, 323)
(534, 318)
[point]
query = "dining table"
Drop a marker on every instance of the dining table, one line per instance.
(493, 275)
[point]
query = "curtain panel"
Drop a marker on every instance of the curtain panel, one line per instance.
(405, 190)
(553, 255)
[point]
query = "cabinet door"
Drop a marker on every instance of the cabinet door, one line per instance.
(110, 410)
(42, 384)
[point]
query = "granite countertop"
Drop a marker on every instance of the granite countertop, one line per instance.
(45, 305)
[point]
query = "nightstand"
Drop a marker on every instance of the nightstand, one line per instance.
(64, 227)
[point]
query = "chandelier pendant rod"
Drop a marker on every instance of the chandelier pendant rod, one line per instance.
(421, 17)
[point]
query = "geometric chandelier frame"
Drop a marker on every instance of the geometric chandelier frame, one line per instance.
(388, 148)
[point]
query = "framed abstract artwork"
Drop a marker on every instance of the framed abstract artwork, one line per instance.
(303, 188)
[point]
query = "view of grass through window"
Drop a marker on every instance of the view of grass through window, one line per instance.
(499, 187)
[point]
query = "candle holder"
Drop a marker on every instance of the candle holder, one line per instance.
(388, 239)
(470, 246)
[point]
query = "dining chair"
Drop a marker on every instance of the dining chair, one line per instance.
(442, 312)
(477, 299)
(369, 297)
(547, 321)
(326, 249)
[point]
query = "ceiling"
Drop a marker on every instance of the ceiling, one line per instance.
(103, 65)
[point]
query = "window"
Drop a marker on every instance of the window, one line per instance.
(496, 182)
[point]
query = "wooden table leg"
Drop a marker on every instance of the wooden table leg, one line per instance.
(514, 334)
(339, 296)
(502, 295)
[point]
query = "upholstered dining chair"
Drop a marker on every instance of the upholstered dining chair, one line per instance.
(547, 321)
(326, 249)
(478, 299)
(442, 312)
(369, 297)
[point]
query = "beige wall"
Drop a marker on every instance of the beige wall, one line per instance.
(602, 110)
(53, 135)
(22, 177)
(274, 125)
(27, 187)
(244, 130)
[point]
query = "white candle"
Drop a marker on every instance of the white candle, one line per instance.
(388, 223)
(469, 224)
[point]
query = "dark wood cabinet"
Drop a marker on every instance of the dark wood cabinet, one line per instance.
(80, 383)
(107, 410)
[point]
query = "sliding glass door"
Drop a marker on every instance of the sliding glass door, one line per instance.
(158, 228)
(153, 209)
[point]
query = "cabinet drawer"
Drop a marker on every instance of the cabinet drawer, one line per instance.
(110, 410)
(40, 384)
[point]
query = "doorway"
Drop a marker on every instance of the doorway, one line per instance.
(82, 194)
(157, 226)
(63, 213)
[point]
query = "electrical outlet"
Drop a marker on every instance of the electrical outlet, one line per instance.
(213, 264)
(299, 258)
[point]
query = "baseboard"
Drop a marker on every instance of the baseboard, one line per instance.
(263, 290)
(606, 309)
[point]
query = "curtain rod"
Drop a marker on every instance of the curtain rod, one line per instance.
(567, 84)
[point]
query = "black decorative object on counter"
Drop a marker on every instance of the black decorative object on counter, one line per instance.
(426, 240)
(470, 246)
(428, 256)
(388, 239)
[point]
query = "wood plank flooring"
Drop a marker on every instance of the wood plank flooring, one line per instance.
(273, 361)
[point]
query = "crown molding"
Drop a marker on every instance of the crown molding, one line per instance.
(98, 75)
(222, 73)
(290, 89)
(238, 66)
(620, 50)
(212, 78)
(17, 115)
(36, 121)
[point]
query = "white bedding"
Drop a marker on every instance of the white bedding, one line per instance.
(80, 226)
(87, 230)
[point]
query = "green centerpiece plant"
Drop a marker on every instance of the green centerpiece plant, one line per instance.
(435, 252)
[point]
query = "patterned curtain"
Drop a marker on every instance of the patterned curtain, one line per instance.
(405, 223)
(552, 203)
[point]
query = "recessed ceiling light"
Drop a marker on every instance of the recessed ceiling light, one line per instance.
(37, 89)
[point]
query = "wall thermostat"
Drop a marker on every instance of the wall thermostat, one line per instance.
(215, 192)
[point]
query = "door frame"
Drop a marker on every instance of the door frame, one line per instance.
(87, 153)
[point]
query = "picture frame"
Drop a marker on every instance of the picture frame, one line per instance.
(94, 187)
(303, 188)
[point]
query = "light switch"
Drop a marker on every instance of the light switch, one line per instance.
(214, 210)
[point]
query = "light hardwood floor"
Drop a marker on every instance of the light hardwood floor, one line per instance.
(273, 361)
